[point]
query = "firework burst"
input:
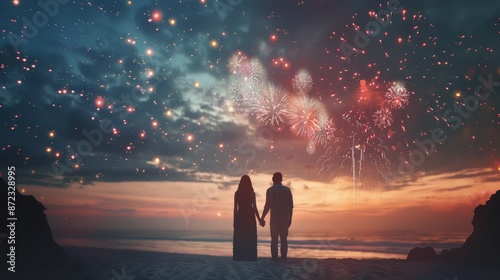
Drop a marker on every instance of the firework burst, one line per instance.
(247, 84)
(238, 64)
(325, 132)
(383, 118)
(397, 97)
(257, 70)
(252, 87)
(304, 114)
(235, 90)
(302, 82)
(251, 90)
(270, 107)
(311, 148)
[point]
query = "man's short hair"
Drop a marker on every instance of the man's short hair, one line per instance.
(277, 177)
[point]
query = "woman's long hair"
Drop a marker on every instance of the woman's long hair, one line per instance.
(245, 187)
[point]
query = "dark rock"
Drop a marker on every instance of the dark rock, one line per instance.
(451, 254)
(421, 254)
(484, 242)
(34, 244)
(482, 246)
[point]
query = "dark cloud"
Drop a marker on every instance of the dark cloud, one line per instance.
(455, 188)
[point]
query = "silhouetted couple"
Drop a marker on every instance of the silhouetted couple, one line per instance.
(279, 200)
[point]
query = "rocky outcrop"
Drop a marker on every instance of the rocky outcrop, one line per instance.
(34, 244)
(421, 254)
(482, 246)
(450, 254)
(484, 242)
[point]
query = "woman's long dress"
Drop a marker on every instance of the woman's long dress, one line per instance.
(245, 228)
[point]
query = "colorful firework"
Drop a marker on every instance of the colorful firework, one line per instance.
(383, 118)
(302, 82)
(270, 107)
(397, 97)
(325, 132)
(304, 114)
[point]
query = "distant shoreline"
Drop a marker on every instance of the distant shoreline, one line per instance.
(319, 248)
(223, 248)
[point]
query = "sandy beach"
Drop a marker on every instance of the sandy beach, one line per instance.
(106, 264)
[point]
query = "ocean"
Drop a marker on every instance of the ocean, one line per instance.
(305, 245)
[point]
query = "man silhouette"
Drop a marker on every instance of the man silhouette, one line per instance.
(280, 201)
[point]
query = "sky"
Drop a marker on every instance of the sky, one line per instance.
(127, 115)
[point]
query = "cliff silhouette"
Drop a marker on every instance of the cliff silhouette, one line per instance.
(482, 246)
(484, 242)
(37, 255)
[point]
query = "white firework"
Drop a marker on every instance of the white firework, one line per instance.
(252, 86)
(311, 148)
(271, 106)
(238, 64)
(235, 90)
(257, 70)
(397, 97)
(251, 90)
(383, 118)
(302, 82)
(325, 132)
(304, 114)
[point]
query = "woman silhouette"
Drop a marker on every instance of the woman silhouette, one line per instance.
(245, 228)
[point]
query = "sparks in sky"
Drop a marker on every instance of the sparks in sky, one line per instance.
(302, 82)
(253, 86)
(235, 91)
(304, 115)
(311, 148)
(325, 132)
(397, 97)
(271, 106)
(248, 81)
(239, 65)
(383, 118)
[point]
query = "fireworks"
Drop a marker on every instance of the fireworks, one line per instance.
(304, 115)
(239, 65)
(252, 89)
(325, 132)
(248, 84)
(383, 118)
(311, 148)
(302, 82)
(246, 88)
(271, 106)
(397, 97)
(257, 70)
(235, 90)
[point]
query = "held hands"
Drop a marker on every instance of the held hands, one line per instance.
(262, 222)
